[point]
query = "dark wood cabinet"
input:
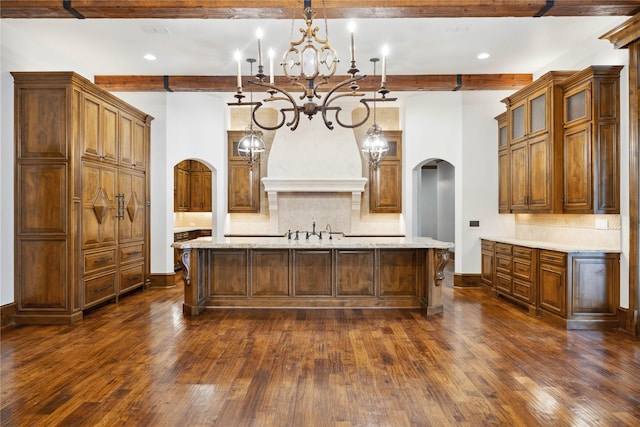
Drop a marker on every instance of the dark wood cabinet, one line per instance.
(385, 183)
(577, 290)
(192, 187)
(243, 184)
(591, 141)
(534, 129)
(504, 165)
(82, 219)
(563, 144)
(488, 266)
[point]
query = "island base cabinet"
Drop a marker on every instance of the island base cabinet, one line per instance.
(332, 278)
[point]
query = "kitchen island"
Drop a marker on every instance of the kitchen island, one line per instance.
(281, 272)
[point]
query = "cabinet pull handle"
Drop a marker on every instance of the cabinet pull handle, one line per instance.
(134, 253)
(103, 260)
(104, 288)
(120, 213)
(133, 278)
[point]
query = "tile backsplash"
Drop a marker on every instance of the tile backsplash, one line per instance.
(569, 228)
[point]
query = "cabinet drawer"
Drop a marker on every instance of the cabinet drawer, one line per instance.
(131, 253)
(523, 253)
(99, 260)
(99, 289)
(551, 257)
(503, 249)
(522, 270)
(503, 283)
(504, 264)
(488, 245)
(522, 290)
(131, 277)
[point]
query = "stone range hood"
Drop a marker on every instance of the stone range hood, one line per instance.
(302, 201)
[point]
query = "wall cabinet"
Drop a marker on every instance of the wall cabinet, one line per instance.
(82, 219)
(578, 290)
(591, 142)
(385, 183)
(192, 187)
(504, 175)
(243, 184)
(562, 149)
(534, 118)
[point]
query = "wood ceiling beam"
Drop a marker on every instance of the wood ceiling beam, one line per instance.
(286, 9)
(396, 83)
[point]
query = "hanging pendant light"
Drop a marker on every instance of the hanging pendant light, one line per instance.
(375, 146)
(251, 145)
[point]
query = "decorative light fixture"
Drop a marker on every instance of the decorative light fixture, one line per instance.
(251, 144)
(309, 64)
(374, 146)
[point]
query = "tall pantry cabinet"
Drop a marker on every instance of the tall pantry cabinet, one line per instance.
(81, 197)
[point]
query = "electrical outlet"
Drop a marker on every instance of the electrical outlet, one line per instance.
(474, 223)
(602, 224)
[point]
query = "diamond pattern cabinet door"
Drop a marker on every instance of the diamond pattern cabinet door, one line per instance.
(99, 205)
(131, 185)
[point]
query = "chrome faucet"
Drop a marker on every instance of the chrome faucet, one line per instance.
(313, 233)
(328, 230)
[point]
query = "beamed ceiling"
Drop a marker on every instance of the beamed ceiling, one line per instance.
(284, 9)
(380, 11)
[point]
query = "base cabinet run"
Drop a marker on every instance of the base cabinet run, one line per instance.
(319, 277)
(578, 290)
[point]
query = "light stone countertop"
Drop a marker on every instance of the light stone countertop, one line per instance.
(312, 243)
(553, 246)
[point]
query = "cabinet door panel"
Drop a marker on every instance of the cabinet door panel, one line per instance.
(126, 140)
(99, 204)
(577, 167)
(519, 180)
(312, 273)
(386, 188)
(228, 272)
(398, 269)
(139, 145)
(552, 283)
(91, 128)
(270, 273)
(131, 187)
(607, 191)
(504, 181)
(355, 273)
(244, 187)
(540, 178)
(109, 140)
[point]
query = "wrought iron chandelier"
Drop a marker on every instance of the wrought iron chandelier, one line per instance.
(309, 64)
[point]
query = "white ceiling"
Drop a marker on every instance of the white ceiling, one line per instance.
(206, 47)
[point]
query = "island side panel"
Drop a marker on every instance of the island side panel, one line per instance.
(434, 263)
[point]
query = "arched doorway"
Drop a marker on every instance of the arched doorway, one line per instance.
(436, 200)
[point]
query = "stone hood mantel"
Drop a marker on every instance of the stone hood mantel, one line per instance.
(353, 185)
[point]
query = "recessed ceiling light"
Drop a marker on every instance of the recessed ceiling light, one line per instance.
(150, 57)
(483, 55)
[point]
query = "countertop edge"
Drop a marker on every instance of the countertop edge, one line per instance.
(553, 246)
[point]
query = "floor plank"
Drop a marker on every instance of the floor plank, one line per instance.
(482, 362)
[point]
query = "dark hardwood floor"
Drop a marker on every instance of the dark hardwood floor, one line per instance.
(483, 362)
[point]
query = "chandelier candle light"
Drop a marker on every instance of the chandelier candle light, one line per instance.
(309, 64)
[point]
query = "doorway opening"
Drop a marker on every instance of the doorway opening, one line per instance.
(436, 201)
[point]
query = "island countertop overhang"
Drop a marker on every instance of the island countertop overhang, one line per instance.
(284, 243)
